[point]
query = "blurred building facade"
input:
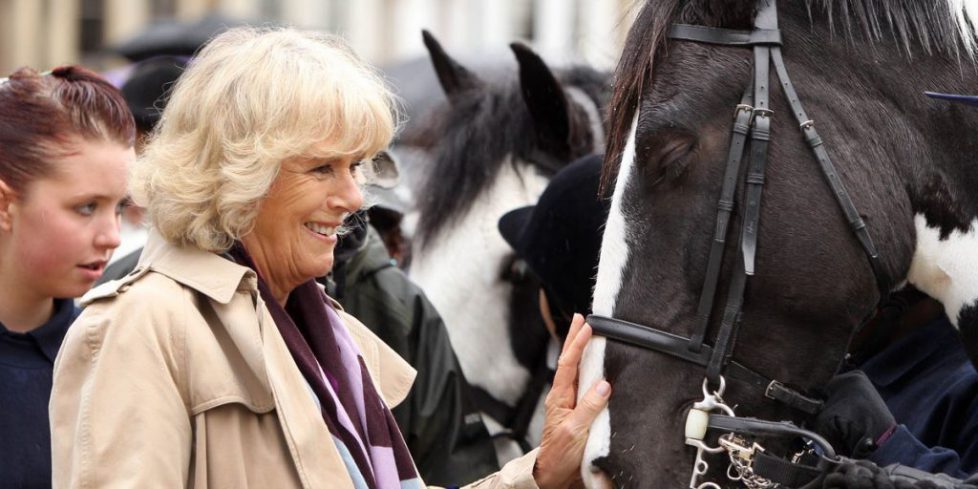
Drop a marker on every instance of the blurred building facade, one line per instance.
(45, 33)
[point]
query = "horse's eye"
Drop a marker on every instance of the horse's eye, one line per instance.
(674, 152)
(667, 155)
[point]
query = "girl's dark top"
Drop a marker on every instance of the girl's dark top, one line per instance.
(26, 367)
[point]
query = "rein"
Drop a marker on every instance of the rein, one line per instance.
(752, 121)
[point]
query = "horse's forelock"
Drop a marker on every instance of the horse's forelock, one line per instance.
(645, 39)
(947, 26)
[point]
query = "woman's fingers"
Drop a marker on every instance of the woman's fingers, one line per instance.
(575, 327)
(564, 390)
(591, 404)
(558, 464)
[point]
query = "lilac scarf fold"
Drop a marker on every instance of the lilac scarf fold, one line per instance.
(362, 426)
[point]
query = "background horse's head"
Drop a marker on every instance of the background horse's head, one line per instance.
(860, 68)
(495, 146)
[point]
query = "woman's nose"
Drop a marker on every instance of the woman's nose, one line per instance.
(346, 195)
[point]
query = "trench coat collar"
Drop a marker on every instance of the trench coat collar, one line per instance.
(221, 278)
(184, 264)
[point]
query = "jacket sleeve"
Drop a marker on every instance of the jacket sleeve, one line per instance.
(904, 449)
(118, 416)
(517, 474)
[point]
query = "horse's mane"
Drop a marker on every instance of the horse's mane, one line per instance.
(473, 135)
(947, 27)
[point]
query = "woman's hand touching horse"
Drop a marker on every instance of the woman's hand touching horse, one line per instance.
(565, 433)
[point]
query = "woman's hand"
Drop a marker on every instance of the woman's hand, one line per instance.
(558, 464)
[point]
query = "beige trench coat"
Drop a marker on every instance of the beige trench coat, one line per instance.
(176, 376)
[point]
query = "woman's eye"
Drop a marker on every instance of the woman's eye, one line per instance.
(87, 209)
(324, 169)
(122, 206)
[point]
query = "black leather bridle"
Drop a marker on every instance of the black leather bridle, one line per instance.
(752, 121)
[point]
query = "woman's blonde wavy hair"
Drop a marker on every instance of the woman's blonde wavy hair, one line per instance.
(251, 99)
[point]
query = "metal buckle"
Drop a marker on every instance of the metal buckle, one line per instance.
(769, 391)
(742, 107)
(737, 447)
(807, 124)
(763, 112)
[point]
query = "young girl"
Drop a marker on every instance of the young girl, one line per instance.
(66, 141)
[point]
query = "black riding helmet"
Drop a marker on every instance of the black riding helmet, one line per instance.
(560, 237)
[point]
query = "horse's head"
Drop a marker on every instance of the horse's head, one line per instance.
(496, 144)
(860, 68)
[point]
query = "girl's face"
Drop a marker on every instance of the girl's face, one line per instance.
(57, 234)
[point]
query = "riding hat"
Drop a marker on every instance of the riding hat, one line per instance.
(560, 237)
(148, 86)
(967, 99)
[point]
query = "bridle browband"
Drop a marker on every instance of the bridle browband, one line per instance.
(752, 120)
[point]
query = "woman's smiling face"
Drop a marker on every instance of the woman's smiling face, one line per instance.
(59, 231)
(294, 234)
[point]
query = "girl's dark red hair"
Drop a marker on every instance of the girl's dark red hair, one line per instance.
(42, 115)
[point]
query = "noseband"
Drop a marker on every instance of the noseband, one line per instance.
(752, 120)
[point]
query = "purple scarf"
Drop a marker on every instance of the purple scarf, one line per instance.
(362, 426)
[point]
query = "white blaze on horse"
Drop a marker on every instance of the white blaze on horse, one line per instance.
(904, 161)
(496, 144)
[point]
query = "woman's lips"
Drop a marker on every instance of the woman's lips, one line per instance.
(93, 270)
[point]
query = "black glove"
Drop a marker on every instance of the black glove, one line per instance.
(854, 416)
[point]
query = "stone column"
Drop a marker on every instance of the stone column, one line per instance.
(64, 31)
(24, 36)
(554, 29)
(124, 19)
(312, 14)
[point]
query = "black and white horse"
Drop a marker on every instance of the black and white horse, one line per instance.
(910, 164)
(495, 146)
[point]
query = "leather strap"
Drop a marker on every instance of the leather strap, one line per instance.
(677, 346)
(856, 224)
(725, 37)
(516, 419)
(725, 207)
(760, 427)
(793, 473)
(784, 472)
(766, 19)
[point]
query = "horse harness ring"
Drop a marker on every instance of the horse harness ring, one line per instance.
(749, 464)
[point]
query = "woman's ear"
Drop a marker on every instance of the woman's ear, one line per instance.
(7, 200)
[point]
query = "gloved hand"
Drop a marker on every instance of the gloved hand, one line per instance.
(854, 417)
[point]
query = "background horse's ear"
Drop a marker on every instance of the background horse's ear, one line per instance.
(454, 78)
(384, 170)
(546, 101)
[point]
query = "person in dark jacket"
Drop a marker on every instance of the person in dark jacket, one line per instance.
(914, 402)
(444, 432)
(66, 143)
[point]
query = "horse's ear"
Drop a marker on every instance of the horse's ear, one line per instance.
(545, 99)
(454, 78)
(384, 170)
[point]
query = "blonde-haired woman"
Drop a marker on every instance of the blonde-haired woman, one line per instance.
(219, 362)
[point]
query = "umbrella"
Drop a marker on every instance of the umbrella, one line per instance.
(175, 38)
